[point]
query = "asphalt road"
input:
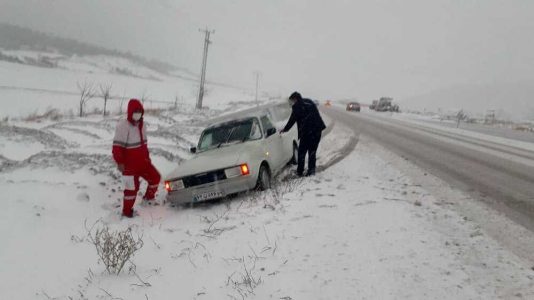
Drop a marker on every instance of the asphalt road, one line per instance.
(500, 175)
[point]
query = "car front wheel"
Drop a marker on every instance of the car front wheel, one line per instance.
(264, 179)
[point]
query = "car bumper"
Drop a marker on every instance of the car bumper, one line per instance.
(226, 187)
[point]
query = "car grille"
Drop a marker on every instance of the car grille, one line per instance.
(204, 178)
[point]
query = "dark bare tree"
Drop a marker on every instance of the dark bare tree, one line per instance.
(87, 92)
(105, 93)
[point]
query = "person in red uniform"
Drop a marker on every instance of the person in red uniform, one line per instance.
(130, 152)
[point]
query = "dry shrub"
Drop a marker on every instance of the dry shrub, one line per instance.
(114, 248)
(50, 114)
(244, 282)
(155, 111)
(281, 187)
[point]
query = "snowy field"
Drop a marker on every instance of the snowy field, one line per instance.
(27, 90)
(358, 230)
(361, 229)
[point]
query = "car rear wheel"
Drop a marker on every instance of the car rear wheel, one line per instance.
(264, 179)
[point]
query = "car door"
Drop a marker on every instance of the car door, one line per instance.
(273, 143)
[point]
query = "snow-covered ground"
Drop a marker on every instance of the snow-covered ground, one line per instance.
(359, 229)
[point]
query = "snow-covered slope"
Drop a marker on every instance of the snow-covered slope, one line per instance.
(28, 89)
(89, 64)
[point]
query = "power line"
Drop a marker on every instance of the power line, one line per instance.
(207, 42)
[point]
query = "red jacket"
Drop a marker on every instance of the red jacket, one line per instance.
(130, 142)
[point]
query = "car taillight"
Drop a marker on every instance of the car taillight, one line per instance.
(244, 169)
(237, 171)
(174, 185)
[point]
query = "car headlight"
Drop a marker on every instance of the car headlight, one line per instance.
(237, 171)
(174, 185)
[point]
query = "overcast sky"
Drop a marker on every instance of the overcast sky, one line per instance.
(325, 49)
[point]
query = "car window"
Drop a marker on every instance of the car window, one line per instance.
(255, 132)
(206, 141)
(229, 133)
(266, 124)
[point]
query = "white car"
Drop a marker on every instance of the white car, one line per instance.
(231, 157)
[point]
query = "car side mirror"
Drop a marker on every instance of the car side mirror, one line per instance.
(271, 131)
(193, 149)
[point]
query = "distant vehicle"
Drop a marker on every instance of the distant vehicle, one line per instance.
(328, 103)
(231, 157)
(353, 106)
(373, 105)
(385, 104)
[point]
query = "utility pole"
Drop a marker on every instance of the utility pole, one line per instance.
(257, 85)
(207, 42)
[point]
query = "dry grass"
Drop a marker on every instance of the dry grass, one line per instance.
(114, 248)
(50, 114)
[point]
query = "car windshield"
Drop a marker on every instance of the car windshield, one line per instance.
(229, 133)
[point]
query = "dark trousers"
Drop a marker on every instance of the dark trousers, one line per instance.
(308, 145)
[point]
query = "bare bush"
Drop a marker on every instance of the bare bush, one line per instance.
(95, 111)
(121, 103)
(245, 281)
(49, 114)
(212, 231)
(178, 103)
(279, 188)
(105, 93)
(157, 112)
(114, 248)
(52, 114)
(87, 92)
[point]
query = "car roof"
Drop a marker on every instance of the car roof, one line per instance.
(244, 117)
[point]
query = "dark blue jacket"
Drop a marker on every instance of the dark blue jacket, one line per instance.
(306, 115)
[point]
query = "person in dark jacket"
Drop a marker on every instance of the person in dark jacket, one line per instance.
(310, 126)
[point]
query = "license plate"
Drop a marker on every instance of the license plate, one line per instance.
(207, 196)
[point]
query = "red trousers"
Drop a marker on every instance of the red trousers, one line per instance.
(131, 186)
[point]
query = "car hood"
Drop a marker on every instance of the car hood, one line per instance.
(215, 159)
